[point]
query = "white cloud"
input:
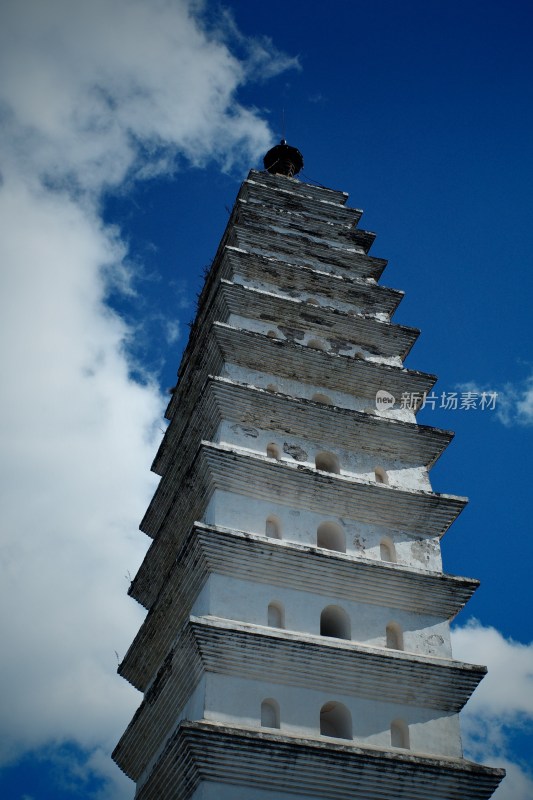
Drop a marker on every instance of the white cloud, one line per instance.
(524, 402)
(92, 85)
(172, 331)
(514, 401)
(93, 95)
(263, 59)
(500, 706)
(78, 437)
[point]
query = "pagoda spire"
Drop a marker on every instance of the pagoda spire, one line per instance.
(283, 160)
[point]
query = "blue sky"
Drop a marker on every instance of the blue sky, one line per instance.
(127, 127)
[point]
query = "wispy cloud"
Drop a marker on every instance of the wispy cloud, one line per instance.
(172, 331)
(514, 403)
(519, 403)
(99, 89)
(502, 704)
(94, 95)
(260, 55)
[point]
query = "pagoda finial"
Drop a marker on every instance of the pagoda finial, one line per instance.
(283, 160)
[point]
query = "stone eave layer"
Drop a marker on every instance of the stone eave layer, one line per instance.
(339, 372)
(256, 653)
(260, 206)
(257, 211)
(380, 338)
(345, 667)
(210, 550)
(174, 508)
(276, 763)
(303, 251)
(254, 227)
(257, 351)
(307, 191)
(365, 295)
(321, 214)
(222, 398)
(256, 476)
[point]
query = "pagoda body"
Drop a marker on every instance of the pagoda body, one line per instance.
(297, 637)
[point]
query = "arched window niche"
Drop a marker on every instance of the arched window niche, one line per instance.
(273, 451)
(380, 475)
(335, 720)
(399, 734)
(394, 636)
(270, 717)
(325, 399)
(330, 536)
(317, 344)
(327, 462)
(276, 615)
(387, 550)
(335, 622)
(273, 527)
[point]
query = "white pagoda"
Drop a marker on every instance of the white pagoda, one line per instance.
(297, 644)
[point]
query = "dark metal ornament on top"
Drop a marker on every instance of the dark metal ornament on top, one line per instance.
(283, 160)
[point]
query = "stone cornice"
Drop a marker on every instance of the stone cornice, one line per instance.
(253, 475)
(305, 210)
(236, 554)
(253, 213)
(222, 398)
(299, 189)
(258, 208)
(367, 295)
(378, 337)
(226, 343)
(320, 768)
(299, 249)
(175, 507)
(344, 667)
(252, 652)
(337, 372)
